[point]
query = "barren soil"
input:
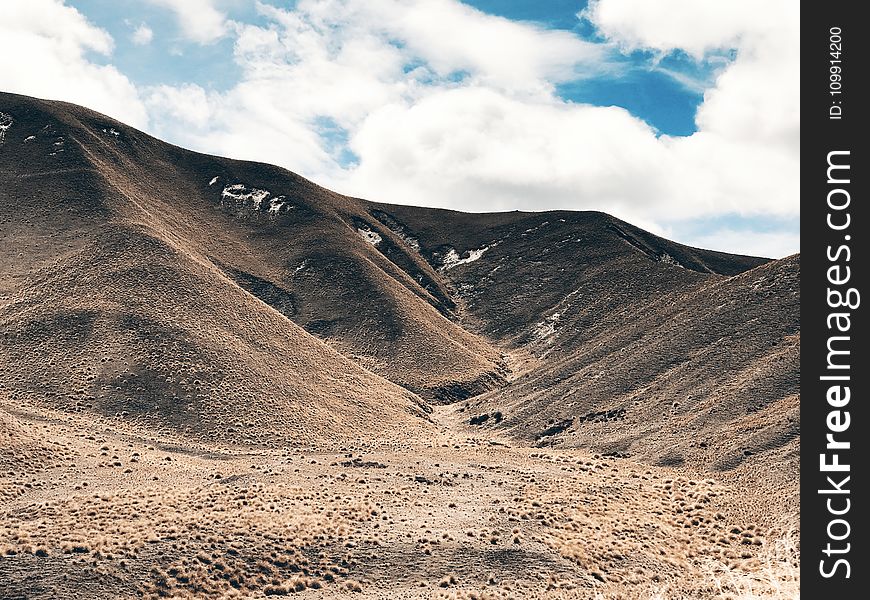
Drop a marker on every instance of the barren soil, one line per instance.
(102, 510)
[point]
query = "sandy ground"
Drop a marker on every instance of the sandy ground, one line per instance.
(98, 509)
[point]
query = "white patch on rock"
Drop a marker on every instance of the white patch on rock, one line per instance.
(214, 180)
(253, 198)
(534, 229)
(452, 258)
(276, 204)
(411, 241)
(29, 138)
(399, 230)
(5, 123)
(372, 237)
(239, 193)
(301, 266)
(547, 328)
(58, 146)
(668, 259)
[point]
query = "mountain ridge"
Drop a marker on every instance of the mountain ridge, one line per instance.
(450, 306)
(219, 380)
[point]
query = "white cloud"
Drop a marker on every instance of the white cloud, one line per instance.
(695, 26)
(43, 53)
(199, 20)
(476, 148)
(497, 137)
(449, 36)
(345, 60)
(757, 98)
(247, 122)
(187, 103)
(143, 35)
(446, 106)
(745, 157)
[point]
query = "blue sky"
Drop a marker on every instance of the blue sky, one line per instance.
(557, 14)
(172, 58)
(646, 88)
(658, 112)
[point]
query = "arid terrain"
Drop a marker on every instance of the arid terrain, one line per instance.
(218, 379)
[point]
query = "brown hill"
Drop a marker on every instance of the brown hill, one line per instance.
(217, 380)
(113, 300)
(627, 343)
(666, 381)
(573, 328)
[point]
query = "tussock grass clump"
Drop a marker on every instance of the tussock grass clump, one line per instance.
(207, 542)
(775, 573)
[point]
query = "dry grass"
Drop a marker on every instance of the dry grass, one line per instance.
(776, 577)
(457, 519)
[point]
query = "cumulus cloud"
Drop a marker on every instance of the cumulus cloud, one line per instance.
(344, 60)
(439, 104)
(446, 106)
(448, 36)
(246, 122)
(695, 26)
(757, 97)
(199, 20)
(745, 156)
(44, 48)
(142, 35)
(476, 147)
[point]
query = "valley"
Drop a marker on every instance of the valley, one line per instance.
(219, 379)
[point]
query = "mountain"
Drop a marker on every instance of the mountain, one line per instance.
(623, 343)
(143, 280)
(124, 293)
(221, 380)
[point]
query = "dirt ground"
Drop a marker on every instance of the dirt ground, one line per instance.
(98, 509)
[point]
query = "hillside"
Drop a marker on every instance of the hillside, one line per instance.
(219, 379)
(594, 314)
(624, 343)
